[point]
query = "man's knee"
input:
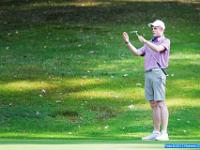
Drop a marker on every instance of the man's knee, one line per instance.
(161, 104)
(154, 104)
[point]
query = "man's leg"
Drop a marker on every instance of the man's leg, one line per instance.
(159, 82)
(164, 120)
(156, 121)
(164, 115)
(156, 113)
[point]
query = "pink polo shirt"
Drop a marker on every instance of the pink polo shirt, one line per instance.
(161, 57)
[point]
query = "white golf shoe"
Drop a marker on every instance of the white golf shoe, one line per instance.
(162, 137)
(153, 136)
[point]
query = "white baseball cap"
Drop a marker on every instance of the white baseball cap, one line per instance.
(157, 23)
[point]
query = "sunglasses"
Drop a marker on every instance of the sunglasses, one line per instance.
(154, 28)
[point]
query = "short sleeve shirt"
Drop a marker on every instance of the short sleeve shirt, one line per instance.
(161, 57)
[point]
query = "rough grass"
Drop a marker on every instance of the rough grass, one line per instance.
(66, 73)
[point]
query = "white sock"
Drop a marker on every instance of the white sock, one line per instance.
(156, 132)
(164, 132)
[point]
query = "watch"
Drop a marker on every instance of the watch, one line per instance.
(127, 42)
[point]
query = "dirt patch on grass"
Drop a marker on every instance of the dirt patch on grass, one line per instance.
(70, 115)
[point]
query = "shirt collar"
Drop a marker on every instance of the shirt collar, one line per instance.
(157, 39)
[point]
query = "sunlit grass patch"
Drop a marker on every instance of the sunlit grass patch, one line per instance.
(184, 85)
(184, 88)
(182, 1)
(182, 102)
(57, 82)
(26, 85)
(49, 135)
(81, 82)
(89, 3)
(185, 56)
(36, 5)
(99, 94)
(124, 94)
(76, 4)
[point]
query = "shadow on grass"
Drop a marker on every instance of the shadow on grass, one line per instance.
(27, 13)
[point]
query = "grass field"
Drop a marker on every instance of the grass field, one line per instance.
(50, 144)
(67, 74)
(87, 147)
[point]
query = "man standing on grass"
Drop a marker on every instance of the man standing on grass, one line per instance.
(155, 51)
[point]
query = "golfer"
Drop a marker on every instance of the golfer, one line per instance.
(156, 56)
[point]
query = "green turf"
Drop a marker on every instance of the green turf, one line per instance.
(67, 74)
(90, 145)
(84, 147)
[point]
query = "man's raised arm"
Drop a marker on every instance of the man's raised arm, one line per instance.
(130, 46)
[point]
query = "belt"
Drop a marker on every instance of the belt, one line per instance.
(155, 69)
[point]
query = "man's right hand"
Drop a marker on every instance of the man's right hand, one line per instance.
(125, 37)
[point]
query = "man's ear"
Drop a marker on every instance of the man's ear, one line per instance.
(161, 29)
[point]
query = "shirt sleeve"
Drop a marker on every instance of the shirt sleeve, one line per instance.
(141, 51)
(166, 44)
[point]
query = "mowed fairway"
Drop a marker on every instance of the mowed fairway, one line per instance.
(88, 145)
(65, 72)
(91, 145)
(84, 147)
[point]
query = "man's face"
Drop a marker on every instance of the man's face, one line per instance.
(157, 31)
